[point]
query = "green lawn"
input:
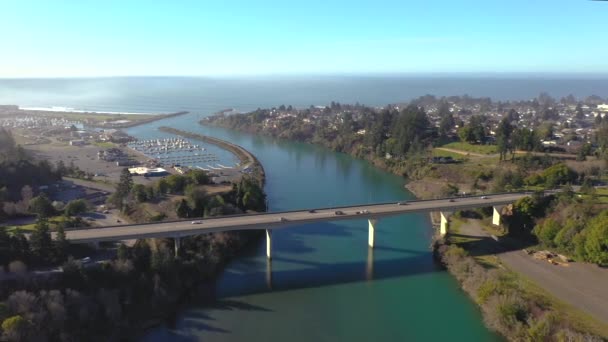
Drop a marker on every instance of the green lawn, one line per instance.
(441, 153)
(464, 146)
(27, 228)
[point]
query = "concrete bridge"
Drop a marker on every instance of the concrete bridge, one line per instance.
(279, 220)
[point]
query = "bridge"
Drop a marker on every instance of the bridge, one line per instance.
(278, 220)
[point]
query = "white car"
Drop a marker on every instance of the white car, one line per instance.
(282, 219)
(197, 222)
(484, 197)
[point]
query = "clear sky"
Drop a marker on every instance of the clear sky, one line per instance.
(247, 37)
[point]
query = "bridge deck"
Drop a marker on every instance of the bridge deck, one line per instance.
(273, 220)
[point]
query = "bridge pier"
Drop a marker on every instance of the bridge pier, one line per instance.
(369, 266)
(496, 216)
(178, 243)
(95, 244)
(445, 222)
(372, 232)
(268, 243)
(269, 274)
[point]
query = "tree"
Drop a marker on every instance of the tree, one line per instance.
(15, 328)
(75, 207)
(474, 131)
(182, 209)
(139, 193)
(123, 189)
(162, 187)
(199, 177)
(176, 183)
(122, 253)
(411, 125)
(596, 240)
(503, 137)
(41, 206)
(40, 240)
(61, 243)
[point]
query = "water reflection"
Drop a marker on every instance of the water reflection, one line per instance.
(369, 267)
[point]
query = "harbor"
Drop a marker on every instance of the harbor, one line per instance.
(180, 154)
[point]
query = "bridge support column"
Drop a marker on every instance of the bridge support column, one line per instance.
(269, 274)
(95, 244)
(178, 244)
(268, 243)
(372, 232)
(496, 216)
(445, 223)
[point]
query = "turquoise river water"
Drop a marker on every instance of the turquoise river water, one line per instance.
(323, 283)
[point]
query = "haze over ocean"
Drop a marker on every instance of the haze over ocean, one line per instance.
(207, 95)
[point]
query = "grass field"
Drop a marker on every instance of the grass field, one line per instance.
(441, 153)
(463, 146)
(27, 228)
(104, 144)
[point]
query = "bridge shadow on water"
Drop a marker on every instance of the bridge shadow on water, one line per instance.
(309, 274)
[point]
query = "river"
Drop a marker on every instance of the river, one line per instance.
(323, 283)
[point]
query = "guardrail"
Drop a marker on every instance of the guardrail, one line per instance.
(306, 209)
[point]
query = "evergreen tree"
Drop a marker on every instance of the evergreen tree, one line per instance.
(40, 240)
(61, 243)
(182, 209)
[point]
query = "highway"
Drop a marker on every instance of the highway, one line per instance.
(276, 220)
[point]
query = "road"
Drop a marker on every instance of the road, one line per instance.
(580, 285)
(282, 219)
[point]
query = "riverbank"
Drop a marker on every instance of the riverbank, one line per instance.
(517, 308)
(246, 159)
(410, 168)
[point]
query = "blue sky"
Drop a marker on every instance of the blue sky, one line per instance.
(246, 37)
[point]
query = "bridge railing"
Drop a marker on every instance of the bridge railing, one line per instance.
(305, 209)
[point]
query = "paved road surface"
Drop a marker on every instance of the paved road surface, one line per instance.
(273, 220)
(581, 285)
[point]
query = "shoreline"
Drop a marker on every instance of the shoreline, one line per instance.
(96, 119)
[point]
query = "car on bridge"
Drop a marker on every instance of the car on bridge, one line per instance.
(197, 222)
(402, 203)
(312, 211)
(364, 211)
(339, 212)
(282, 219)
(484, 197)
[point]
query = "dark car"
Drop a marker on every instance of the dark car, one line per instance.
(339, 212)
(312, 211)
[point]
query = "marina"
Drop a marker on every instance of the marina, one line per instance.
(179, 152)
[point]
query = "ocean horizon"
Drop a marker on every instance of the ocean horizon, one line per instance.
(207, 95)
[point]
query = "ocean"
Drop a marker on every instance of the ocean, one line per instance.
(205, 96)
